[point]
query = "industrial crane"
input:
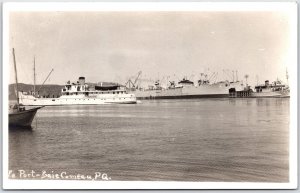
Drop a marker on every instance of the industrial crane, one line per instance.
(132, 85)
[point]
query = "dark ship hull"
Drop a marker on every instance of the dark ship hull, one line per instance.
(22, 118)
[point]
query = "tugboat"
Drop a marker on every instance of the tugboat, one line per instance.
(19, 115)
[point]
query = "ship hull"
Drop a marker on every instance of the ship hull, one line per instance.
(270, 95)
(189, 92)
(264, 94)
(29, 100)
(186, 96)
(23, 118)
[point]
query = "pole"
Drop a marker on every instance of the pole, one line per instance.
(45, 80)
(34, 79)
(16, 77)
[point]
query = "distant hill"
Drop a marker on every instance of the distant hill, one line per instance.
(47, 90)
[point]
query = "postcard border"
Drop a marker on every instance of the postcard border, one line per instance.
(150, 6)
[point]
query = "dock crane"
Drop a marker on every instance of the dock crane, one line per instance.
(137, 77)
(132, 85)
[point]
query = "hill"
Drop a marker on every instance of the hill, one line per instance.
(46, 90)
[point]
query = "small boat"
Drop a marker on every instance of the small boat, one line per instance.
(18, 114)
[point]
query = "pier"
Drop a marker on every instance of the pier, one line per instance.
(240, 94)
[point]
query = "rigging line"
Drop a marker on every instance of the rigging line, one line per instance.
(45, 80)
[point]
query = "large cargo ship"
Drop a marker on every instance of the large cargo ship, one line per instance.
(187, 89)
(80, 94)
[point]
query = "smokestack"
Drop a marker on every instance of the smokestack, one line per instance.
(81, 80)
(267, 83)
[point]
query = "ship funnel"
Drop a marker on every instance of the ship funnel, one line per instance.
(81, 80)
(267, 83)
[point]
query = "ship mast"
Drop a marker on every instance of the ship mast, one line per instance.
(34, 76)
(16, 77)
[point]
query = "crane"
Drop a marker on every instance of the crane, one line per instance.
(137, 77)
(133, 84)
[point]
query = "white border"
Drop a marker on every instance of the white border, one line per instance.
(151, 6)
(290, 7)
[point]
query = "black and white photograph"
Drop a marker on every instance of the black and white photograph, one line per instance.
(150, 95)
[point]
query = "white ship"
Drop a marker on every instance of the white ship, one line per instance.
(275, 89)
(80, 94)
(187, 89)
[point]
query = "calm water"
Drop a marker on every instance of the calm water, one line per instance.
(185, 140)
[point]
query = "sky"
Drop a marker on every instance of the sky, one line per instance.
(115, 46)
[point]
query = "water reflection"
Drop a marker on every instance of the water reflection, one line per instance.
(262, 102)
(259, 101)
(241, 101)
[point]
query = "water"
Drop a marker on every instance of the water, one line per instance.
(236, 140)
